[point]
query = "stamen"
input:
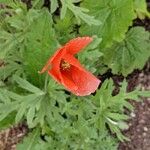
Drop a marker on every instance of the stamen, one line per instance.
(65, 65)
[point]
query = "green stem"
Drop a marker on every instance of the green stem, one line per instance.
(46, 82)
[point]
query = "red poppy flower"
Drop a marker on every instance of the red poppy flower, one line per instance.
(68, 71)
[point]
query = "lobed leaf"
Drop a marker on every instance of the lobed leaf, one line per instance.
(116, 16)
(141, 9)
(132, 53)
(40, 45)
(27, 86)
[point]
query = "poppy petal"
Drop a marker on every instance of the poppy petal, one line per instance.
(54, 75)
(80, 82)
(86, 82)
(67, 80)
(54, 61)
(77, 44)
(72, 60)
(75, 78)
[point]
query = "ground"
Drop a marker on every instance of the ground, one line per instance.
(139, 124)
(10, 137)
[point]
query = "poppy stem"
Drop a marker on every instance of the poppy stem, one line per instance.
(46, 82)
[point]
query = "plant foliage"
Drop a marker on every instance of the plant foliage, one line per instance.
(130, 54)
(116, 16)
(57, 119)
(141, 9)
(79, 12)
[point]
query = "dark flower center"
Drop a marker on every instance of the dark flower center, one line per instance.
(64, 65)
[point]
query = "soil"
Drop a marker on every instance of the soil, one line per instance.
(10, 137)
(139, 124)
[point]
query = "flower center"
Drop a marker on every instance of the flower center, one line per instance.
(65, 65)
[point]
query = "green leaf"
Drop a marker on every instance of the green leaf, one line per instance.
(40, 44)
(65, 28)
(130, 54)
(110, 108)
(63, 10)
(37, 4)
(20, 113)
(76, 1)
(116, 16)
(6, 109)
(54, 5)
(8, 121)
(141, 9)
(31, 115)
(14, 96)
(13, 4)
(144, 93)
(9, 69)
(4, 97)
(117, 116)
(91, 54)
(8, 43)
(79, 12)
(30, 141)
(26, 101)
(27, 86)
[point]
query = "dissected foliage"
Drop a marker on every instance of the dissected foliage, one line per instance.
(28, 37)
(103, 142)
(79, 119)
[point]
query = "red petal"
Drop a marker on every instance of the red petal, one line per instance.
(67, 80)
(87, 83)
(82, 82)
(54, 61)
(76, 79)
(74, 46)
(77, 44)
(54, 75)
